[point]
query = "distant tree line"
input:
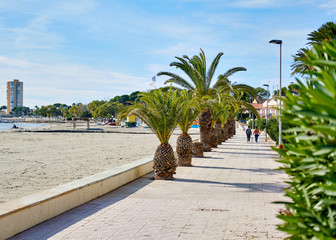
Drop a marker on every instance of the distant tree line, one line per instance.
(95, 109)
(104, 108)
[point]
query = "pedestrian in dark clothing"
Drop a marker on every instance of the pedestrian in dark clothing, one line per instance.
(248, 133)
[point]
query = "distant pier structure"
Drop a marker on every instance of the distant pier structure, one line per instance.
(14, 94)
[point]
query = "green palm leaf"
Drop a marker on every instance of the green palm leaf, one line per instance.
(159, 110)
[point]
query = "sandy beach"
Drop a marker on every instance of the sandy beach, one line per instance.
(34, 161)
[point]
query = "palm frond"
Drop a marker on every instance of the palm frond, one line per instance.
(158, 110)
(212, 69)
(249, 107)
(176, 79)
(246, 88)
(223, 79)
(189, 111)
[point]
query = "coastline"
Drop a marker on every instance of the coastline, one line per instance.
(37, 159)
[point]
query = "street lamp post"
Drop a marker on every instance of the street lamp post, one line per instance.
(280, 43)
(251, 99)
(266, 85)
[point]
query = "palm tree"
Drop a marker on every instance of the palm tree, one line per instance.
(327, 32)
(189, 113)
(217, 109)
(160, 112)
(200, 82)
(299, 67)
(218, 106)
(236, 102)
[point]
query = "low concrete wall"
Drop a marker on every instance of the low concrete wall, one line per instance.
(26, 212)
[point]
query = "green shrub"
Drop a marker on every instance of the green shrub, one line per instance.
(86, 114)
(309, 157)
(242, 116)
(251, 123)
(261, 123)
(273, 129)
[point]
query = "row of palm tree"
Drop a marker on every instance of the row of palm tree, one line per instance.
(214, 105)
(199, 82)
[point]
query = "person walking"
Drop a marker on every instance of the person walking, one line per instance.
(256, 133)
(248, 133)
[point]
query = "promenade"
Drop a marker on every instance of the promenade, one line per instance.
(226, 195)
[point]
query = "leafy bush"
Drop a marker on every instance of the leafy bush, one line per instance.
(261, 123)
(242, 116)
(309, 157)
(86, 114)
(273, 129)
(251, 123)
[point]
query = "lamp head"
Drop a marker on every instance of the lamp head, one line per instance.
(266, 85)
(274, 41)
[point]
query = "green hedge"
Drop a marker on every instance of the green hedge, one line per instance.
(273, 129)
(309, 157)
(259, 123)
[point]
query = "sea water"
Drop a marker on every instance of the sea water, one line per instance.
(7, 126)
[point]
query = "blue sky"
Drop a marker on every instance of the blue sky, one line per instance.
(83, 50)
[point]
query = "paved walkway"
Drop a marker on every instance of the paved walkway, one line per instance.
(226, 195)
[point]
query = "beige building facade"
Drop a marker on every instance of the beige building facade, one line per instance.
(14, 94)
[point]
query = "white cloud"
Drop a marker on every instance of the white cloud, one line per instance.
(74, 6)
(36, 35)
(67, 83)
(178, 49)
(330, 6)
(155, 68)
(259, 3)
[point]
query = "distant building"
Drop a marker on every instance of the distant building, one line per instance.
(14, 95)
(258, 105)
(273, 105)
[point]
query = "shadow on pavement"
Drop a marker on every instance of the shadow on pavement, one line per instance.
(73, 216)
(252, 187)
(246, 153)
(268, 171)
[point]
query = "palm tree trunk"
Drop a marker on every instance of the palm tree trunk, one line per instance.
(184, 150)
(232, 127)
(218, 132)
(213, 138)
(164, 162)
(226, 131)
(223, 134)
(205, 127)
(197, 149)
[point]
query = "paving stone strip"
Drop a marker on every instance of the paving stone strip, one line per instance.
(228, 194)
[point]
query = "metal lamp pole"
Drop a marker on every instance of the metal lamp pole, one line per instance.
(280, 43)
(251, 99)
(266, 85)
